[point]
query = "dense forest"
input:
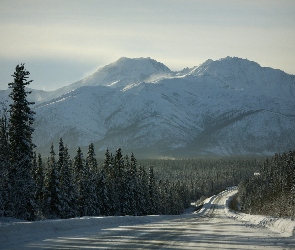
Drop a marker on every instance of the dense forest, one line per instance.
(271, 191)
(61, 186)
(66, 187)
(205, 176)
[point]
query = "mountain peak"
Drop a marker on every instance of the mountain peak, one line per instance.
(227, 106)
(233, 66)
(142, 63)
(125, 71)
(237, 60)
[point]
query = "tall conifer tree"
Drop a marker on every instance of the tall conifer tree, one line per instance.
(38, 176)
(66, 183)
(90, 183)
(119, 170)
(51, 185)
(103, 194)
(21, 120)
(79, 170)
(4, 160)
(21, 146)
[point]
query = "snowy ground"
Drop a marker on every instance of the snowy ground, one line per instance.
(213, 227)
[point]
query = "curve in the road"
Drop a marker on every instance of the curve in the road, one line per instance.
(210, 228)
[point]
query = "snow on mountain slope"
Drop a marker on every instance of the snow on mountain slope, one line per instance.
(225, 107)
(121, 73)
(241, 74)
(37, 96)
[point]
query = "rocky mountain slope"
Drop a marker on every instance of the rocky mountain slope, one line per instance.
(231, 106)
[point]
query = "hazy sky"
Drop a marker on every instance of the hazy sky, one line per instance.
(62, 41)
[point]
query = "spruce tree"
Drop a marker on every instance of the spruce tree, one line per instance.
(143, 204)
(4, 149)
(21, 146)
(61, 149)
(133, 185)
(21, 120)
(79, 181)
(90, 183)
(66, 183)
(119, 170)
(103, 194)
(107, 163)
(108, 176)
(4, 160)
(91, 161)
(152, 191)
(52, 189)
(38, 176)
(125, 190)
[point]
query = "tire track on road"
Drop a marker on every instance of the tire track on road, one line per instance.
(209, 228)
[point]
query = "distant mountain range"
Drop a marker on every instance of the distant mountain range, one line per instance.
(231, 106)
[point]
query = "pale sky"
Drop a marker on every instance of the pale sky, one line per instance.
(63, 41)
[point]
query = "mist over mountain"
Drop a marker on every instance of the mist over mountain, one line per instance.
(122, 72)
(230, 106)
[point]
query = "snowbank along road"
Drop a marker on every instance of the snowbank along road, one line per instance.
(213, 227)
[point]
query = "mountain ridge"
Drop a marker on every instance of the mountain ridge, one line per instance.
(227, 107)
(230, 106)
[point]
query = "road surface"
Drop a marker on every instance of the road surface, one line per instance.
(208, 229)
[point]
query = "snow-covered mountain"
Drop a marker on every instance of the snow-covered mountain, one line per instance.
(231, 106)
(121, 73)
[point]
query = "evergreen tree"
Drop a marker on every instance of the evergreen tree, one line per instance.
(91, 161)
(152, 192)
(20, 146)
(79, 181)
(103, 194)
(118, 179)
(66, 183)
(52, 188)
(133, 185)
(38, 176)
(61, 155)
(166, 197)
(118, 165)
(107, 163)
(110, 175)
(143, 201)
(91, 202)
(21, 119)
(162, 197)
(4, 146)
(178, 199)
(4, 160)
(125, 190)
(129, 187)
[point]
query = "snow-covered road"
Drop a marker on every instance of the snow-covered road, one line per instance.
(210, 228)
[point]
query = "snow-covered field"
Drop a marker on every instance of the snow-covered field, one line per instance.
(213, 227)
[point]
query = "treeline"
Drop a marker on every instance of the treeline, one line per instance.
(66, 187)
(271, 191)
(205, 177)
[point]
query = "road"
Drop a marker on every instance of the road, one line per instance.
(209, 229)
